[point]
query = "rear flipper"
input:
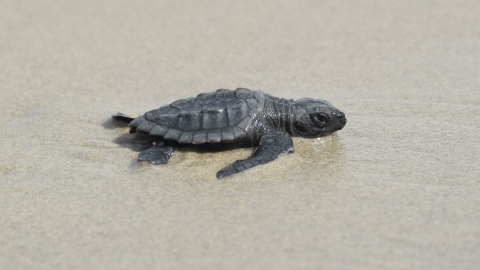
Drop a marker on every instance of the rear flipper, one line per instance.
(157, 154)
(271, 146)
(123, 117)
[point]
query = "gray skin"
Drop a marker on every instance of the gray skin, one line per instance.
(239, 118)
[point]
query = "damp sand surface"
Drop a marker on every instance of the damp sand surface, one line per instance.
(397, 188)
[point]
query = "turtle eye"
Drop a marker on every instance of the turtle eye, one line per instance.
(320, 119)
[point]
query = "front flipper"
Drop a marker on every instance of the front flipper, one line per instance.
(157, 154)
(272, 144)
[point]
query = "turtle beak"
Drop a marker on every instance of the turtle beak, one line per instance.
(342, 122)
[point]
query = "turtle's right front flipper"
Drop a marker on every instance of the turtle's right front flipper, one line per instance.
(272, 145)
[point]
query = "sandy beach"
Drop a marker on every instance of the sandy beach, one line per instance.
(397, 188)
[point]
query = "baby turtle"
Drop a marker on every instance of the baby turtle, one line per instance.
(240, 118)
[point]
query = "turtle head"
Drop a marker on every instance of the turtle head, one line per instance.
(315, 118)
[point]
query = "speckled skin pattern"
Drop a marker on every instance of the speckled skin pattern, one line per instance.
(241, 117)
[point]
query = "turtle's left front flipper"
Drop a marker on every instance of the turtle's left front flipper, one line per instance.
(272, 145)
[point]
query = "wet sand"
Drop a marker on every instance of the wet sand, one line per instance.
(397, 188)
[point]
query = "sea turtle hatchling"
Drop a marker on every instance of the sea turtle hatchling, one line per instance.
(240, 118)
